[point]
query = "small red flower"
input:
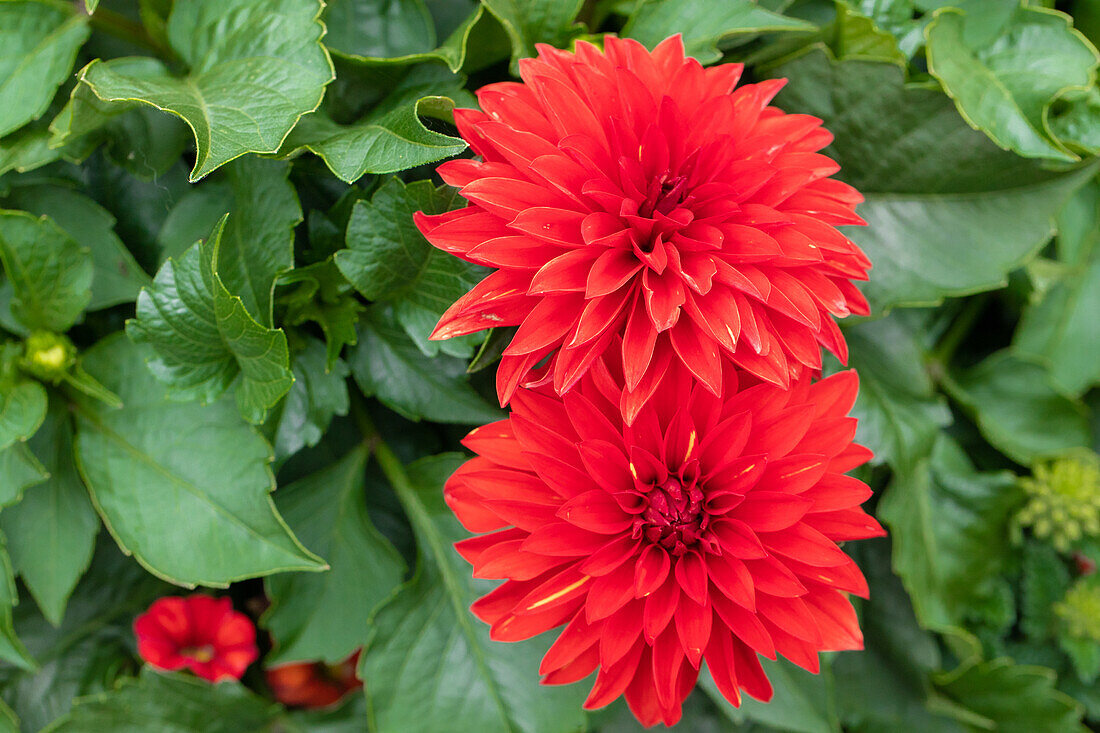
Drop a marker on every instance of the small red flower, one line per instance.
(199, 632)
(313, 684)
(708, 529)
(637, 193)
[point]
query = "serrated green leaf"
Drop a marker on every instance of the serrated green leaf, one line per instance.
(51, 274)
(318, 394)
(801, 703)
(929, 180)
(389, 260)
(1003, 85)
(324, 616)
(159, 502)
(528, 22)
(51, 532)
(386, 364)
(1044, 583)
(204, 337)
(19, 470)
(323, 296)
(704, 24)
(40, 40)
(117, 276)
(1013, 698)
(949, 525)
(256, 66)
(427, 633)
(173, 702)
(1018, 411)
(391, 137)
(899, 413)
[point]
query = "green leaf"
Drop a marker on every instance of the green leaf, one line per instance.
(1003, 84)
(430, 665)
(899, 413)
(391, 137)
(1057, 329)
(324, 616)
(40, 41)
(381, 29)
(26, 150)
(11, 648)
(704, 24)
(855, 36)
(256, 66)
(51, 532)
(318, 394)
(204, 337)
(930, 182)
(22, 400)
(170, 477)
(1074, 120)
(389, 260)
(117, 276)
(949, 525)
(50, 273)
(1044, 583)
(323, 296)
(386, 364)
(172, 702)
(1018, 411)
(802, 702)
(19, 470)
(1013, 698)
(528, 22)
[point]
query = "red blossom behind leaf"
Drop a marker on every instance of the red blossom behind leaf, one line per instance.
(637, 193)
(313, 684)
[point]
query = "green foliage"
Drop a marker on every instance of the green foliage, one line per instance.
(189, 369)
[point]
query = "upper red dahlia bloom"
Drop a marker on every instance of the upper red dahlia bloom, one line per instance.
(639, 193)
(199, 632)
(707, 529)
(313, 684)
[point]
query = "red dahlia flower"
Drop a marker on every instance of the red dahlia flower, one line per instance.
(706, 530)
(199, 632)
(639, 193)
(313, 684)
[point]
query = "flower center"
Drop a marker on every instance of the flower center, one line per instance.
(674, 517)
(665, 194)
(202, 653)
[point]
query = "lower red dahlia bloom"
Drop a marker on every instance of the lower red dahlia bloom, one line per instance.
(637, 193)
(201, 633)
(313, 684)
(708, 529)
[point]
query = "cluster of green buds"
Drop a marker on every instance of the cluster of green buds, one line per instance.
(1079, 611)
(1063, 500)
(48, 356)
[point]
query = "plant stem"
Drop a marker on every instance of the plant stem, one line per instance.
(391, 465)
(960, 328)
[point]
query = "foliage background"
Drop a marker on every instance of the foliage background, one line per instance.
(206, 374)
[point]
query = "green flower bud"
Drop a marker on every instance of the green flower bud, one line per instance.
(47, 355)
(1063, 500)
(1079, 611)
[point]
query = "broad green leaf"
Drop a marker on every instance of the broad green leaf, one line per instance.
(204, 337)
(22, 400)
(50, 273)
(528, 22)
(899, 413)
(51, 532)
(170, 702)
(389, 260)
(949, 525)
(1018, 411)
(391, 137)
(1003, 85)
(117, 276)
(930, 182)
(1058, 328)
(381, 29)
(256, 66)
(39, 41)
(324, 616)
(1012, 698)
(323, 296)
(704, 23)
(11, 648)
(386, 364)
(802, 702)
(19, 470)
(170, 477)
(430, 665)
(318, 394)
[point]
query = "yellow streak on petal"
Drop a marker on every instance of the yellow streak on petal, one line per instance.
(555, 596)
(691, 442)
(633, 471)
